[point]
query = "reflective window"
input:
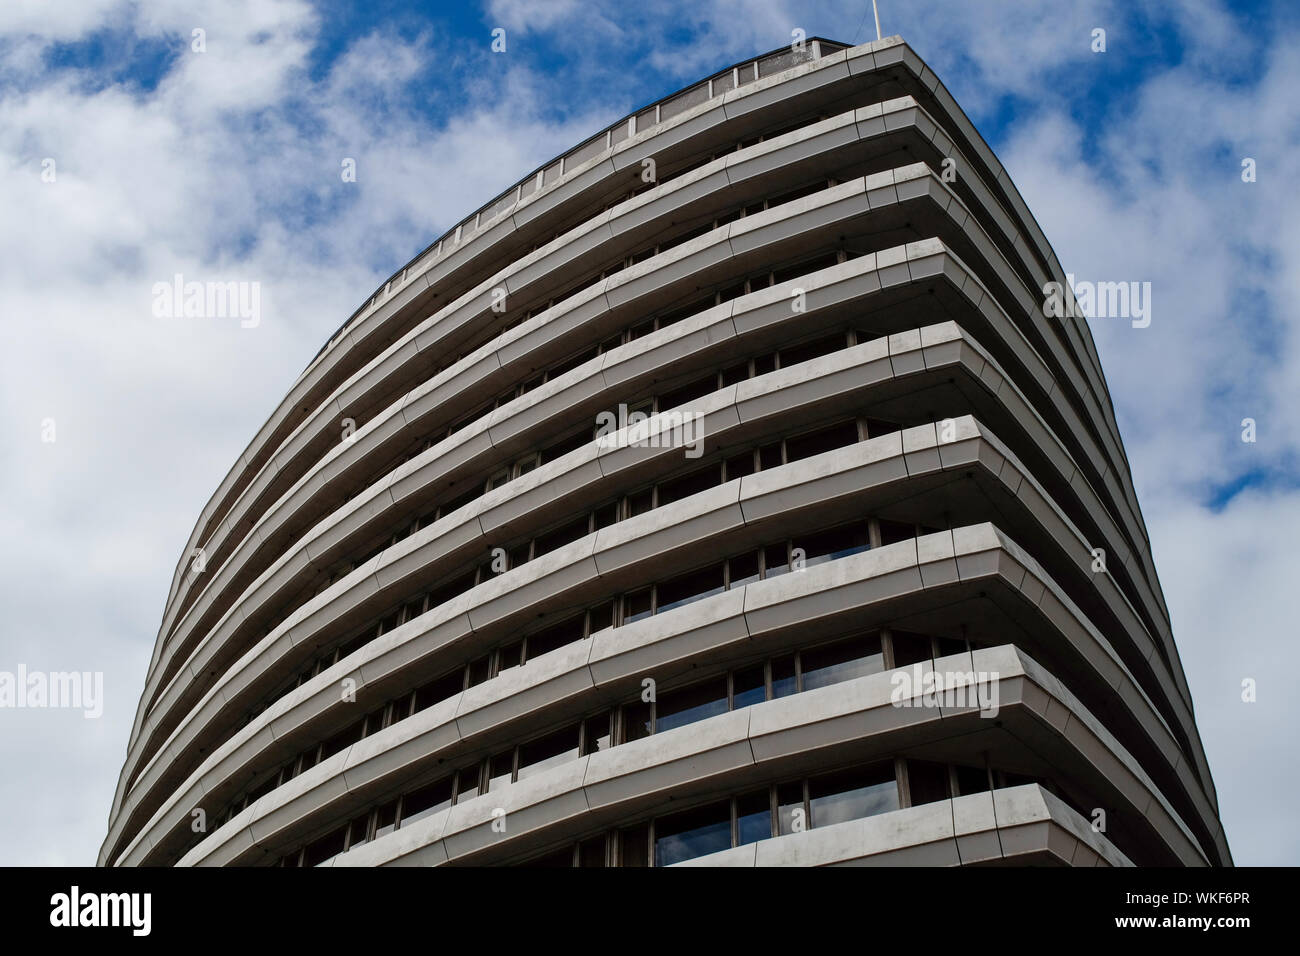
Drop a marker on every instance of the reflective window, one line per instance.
(690, 704)
(426, 801)
(748, 687)
(841, 661)
(545, 752)
(753, 817)
(851, 795)
(684, 836)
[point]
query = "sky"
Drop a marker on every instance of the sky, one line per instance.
(127, 157)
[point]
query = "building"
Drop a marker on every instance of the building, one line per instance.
(719, 493)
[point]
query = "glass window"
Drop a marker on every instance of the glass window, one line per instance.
(689, 484)
(852, 794)
(690, 587)
(359, 830)
(633, 846)
(783, 677)
(972, 780)
(790, 809)
(892, 532)
(426, 801)
(501, 769)
(769, 456)
(794, 354)
(386, 819)
(480, 670)
(684, 836)
(753, 817)
(748, 687)
(606, 515)
(691, 704)
(436, 691)
(596, 733)
(591, 852)
(742, 569)
(776, 558)
(331, 844)
(637, 605)
(467, 783)
(927, 782)
(909, 648)
(559, 537)
(636, 721)
(555, 636)
(822, 440)
(511, 655)
(841, 661)
(600, 617)
(640, 503)
(545, 752)
(835, 543)
(738, 466)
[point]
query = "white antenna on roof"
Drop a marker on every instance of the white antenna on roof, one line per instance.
(876, 11)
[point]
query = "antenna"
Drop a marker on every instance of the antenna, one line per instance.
(876, 11)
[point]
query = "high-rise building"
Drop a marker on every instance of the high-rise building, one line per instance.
(719, 493)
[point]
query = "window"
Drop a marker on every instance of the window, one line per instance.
(783, 677)
(690, 587)
(742, 569)
(426, 801)
(634, 846)
(836, 543)
(684, 836)
(790, 810)
(971, 780)
(753, 817)
(555, 636)
(821, 440)
(927, 782)
(852, 794)
(841, 661)
(545, 752)
(909, 648)
(331, 844)
(690, 704)
(597, 733)
(748, 687)
(637, 605)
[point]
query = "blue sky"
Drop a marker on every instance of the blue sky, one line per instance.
(226, 164)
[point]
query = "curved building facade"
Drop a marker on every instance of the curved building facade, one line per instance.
(719, 494)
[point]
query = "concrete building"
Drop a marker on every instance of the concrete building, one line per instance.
(718, 494)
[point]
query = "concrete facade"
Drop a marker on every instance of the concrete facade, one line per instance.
(631, 508)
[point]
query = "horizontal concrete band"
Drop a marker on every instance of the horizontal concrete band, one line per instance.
(614, 658)
(448, 538)
(1013, 825)
(789, 735)
(331, 468)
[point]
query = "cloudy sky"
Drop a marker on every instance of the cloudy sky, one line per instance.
(127, 157)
